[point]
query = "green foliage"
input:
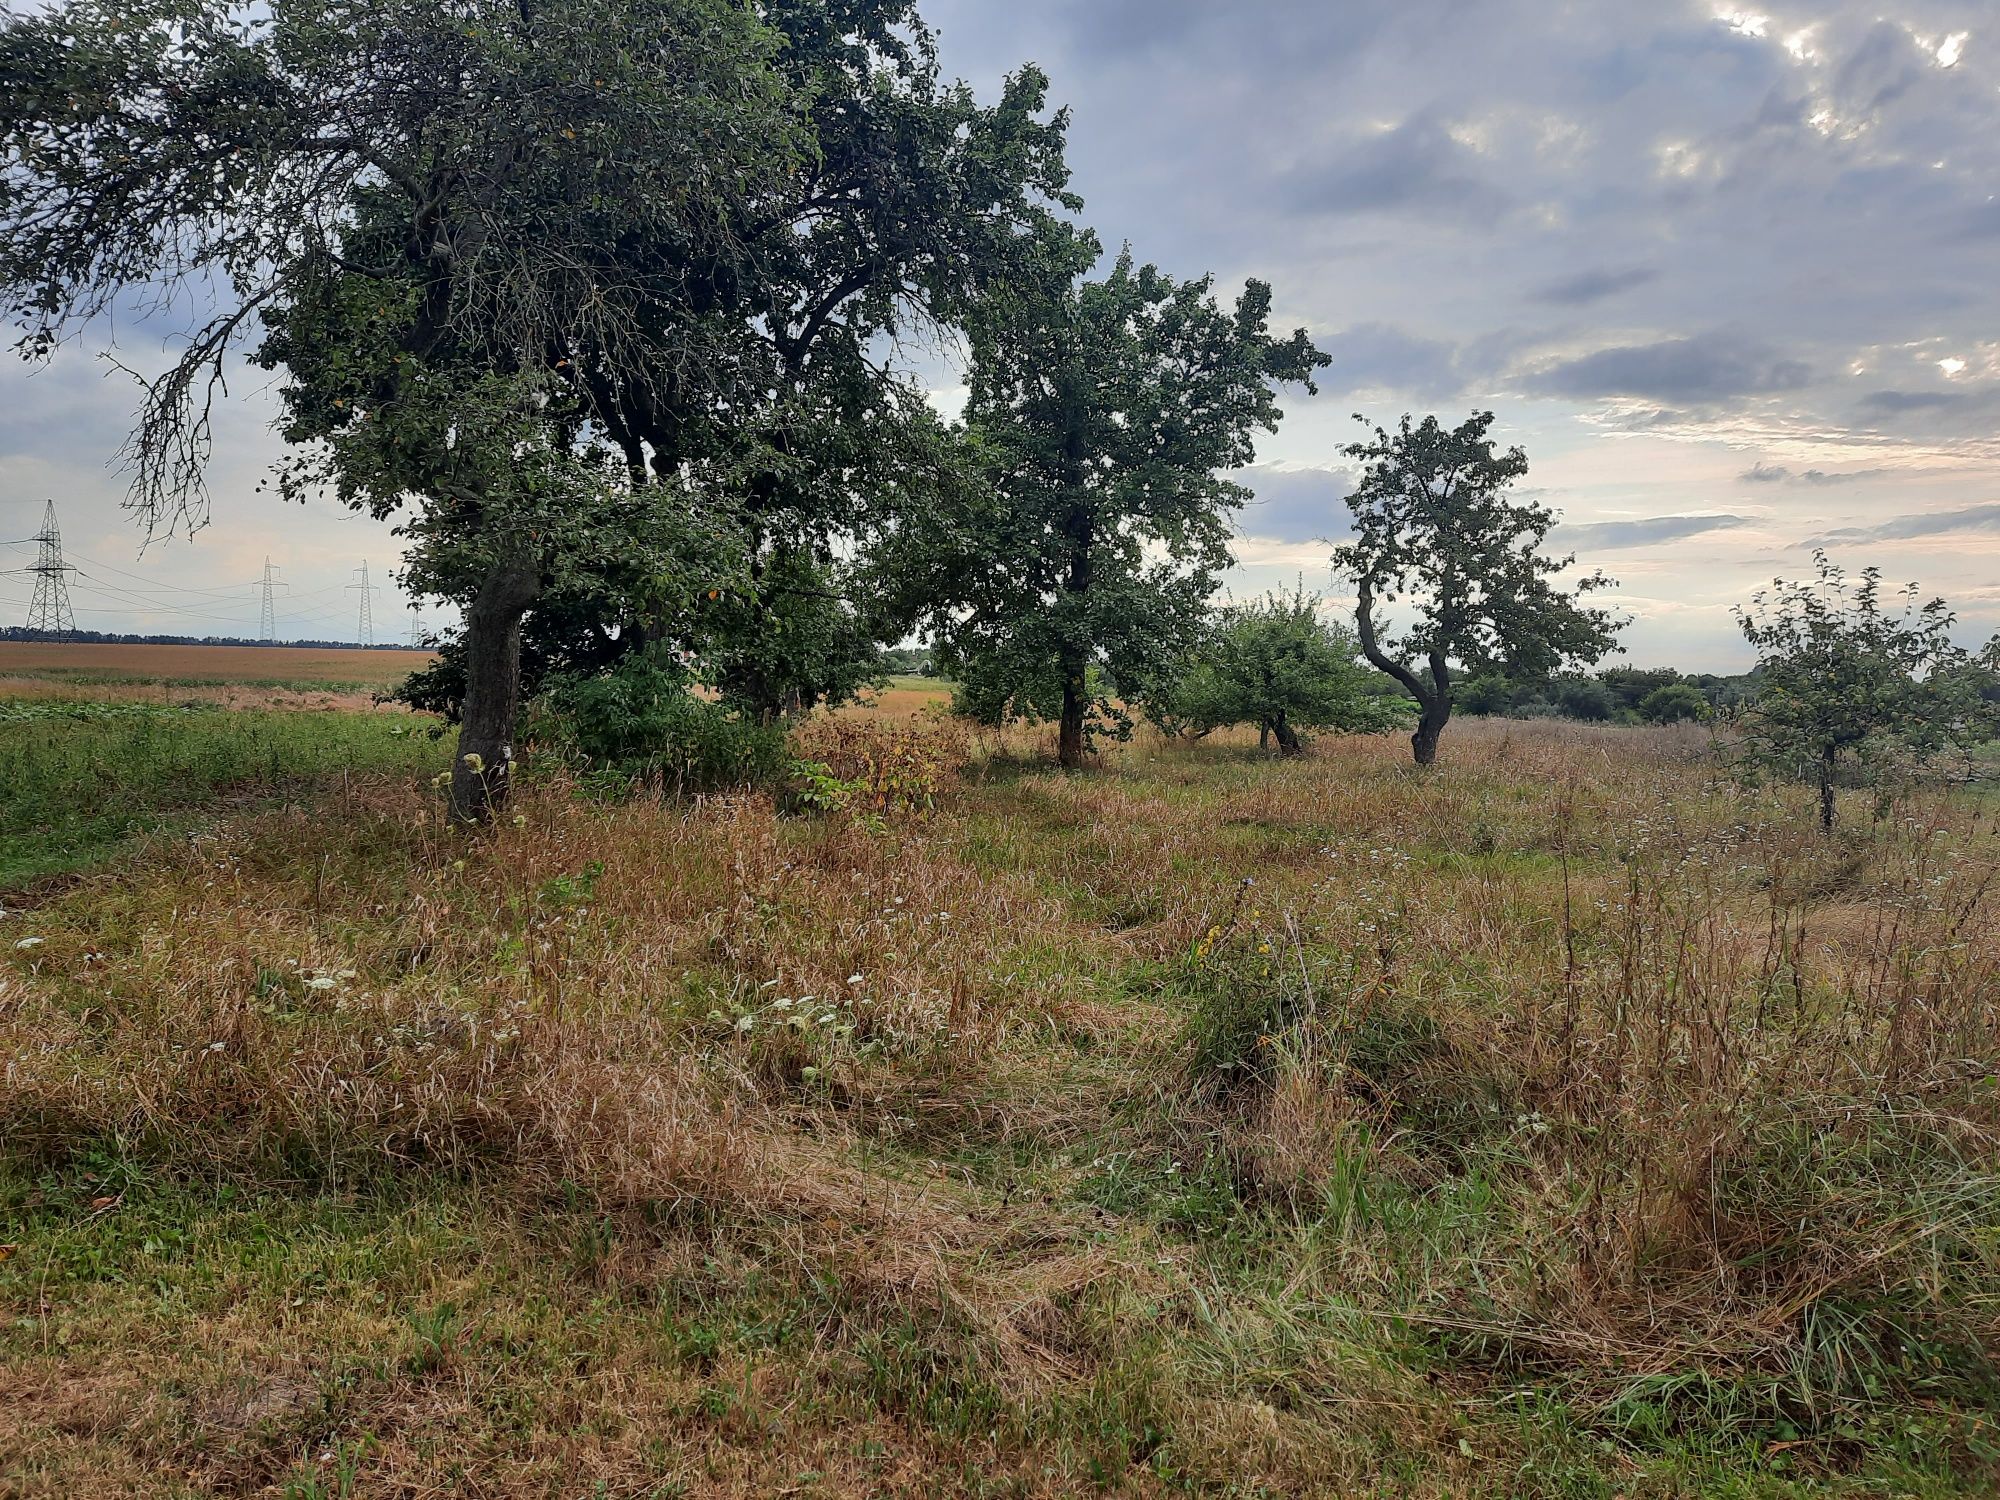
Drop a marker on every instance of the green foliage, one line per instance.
(1677, 703)
(1848, 685)
(1103, 415)
(1277, 663)
(1434, 525)
(642, 722)
(1584, 698)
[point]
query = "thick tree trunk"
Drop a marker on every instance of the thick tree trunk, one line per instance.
(1264, 735)
(481, 772)
(1069, 736)
(1430, 724)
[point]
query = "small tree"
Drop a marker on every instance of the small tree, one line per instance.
(1280, 664)
(1103, 415)
(1847, 680)
(1433, 523)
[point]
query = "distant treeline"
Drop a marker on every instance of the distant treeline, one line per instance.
(105, 638)
(1615, 695)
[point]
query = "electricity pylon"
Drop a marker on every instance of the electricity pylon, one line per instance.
(49, 612)
(364, 625)
(267, 620)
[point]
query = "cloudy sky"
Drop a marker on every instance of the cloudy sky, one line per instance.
(1732, 277)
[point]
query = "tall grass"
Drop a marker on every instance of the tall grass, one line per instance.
(1568, 1120)
(78, 778)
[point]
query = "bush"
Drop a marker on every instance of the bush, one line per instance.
(1584, 698)
(642, 722)
(1673, 705)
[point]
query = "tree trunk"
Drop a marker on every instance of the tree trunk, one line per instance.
(1430, 724)
(1826, 792)
(1264, 734)
(481, 771)
(1288, 737)
(1069, 738)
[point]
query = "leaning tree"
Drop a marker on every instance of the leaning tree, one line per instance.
(1104, 415)
(1435, 529)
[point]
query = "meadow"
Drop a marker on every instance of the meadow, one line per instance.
(1570, 1120)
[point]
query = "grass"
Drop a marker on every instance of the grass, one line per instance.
(1567, 1122)
(83, 779)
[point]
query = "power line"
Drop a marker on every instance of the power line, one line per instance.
(50, 612)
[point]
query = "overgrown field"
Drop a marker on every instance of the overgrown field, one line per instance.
(1566, 1121)
(80, 777)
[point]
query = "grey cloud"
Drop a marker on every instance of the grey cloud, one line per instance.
(1415, 167)
(1763, 473)
(1296, 505)
(1885, 67)
(1895, 403)
(1700, 369)
(1651, 531)
(1375, 356)
(1586, 287)
(1904, 528)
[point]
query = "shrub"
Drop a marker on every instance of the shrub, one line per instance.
(893, 766)
(1679, 703)
(1278, 664)
(641, 722)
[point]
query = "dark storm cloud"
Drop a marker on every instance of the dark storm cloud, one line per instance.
(1586, 287)
(1697, 370)
(1649, 532)
(1907, 528)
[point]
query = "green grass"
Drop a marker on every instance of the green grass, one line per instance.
(82, 779)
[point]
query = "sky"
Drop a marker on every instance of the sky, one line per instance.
(1731, 278)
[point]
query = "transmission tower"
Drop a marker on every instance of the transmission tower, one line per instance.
(267, 620)
(49, 612)
(416, 627)
(364, 625)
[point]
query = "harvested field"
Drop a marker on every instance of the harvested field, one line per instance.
(93, 664)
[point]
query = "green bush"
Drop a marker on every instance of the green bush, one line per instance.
(642, 722)
(1673, 705)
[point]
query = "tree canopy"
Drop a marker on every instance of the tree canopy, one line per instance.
(593, 291)
(1104, 415)
(1435, 528)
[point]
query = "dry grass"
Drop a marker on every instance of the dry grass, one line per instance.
(1562, 1121)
